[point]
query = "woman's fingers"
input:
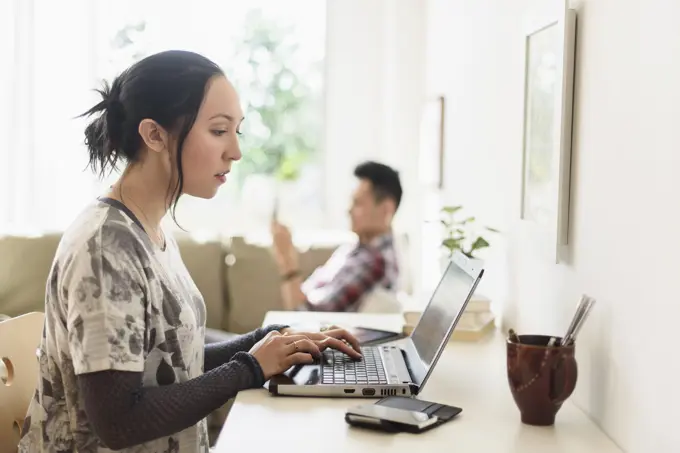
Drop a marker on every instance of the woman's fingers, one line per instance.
(292, 338)
(340, 345)
(339, 339)
(306, 345)
(297, 358)
(342, 334)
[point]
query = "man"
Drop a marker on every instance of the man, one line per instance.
(354, 271)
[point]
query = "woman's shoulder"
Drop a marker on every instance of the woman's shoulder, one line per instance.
(101, 228)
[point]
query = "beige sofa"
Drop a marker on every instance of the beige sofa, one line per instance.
(239, 280)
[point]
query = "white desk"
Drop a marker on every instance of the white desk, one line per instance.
(469, 375)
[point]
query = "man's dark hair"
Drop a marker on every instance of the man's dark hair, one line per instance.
(383, 179)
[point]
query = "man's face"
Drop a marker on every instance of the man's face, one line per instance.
(368, 216)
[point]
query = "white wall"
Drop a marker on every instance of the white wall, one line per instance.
(624, 219)
(375, 69)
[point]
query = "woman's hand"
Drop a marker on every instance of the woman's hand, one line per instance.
(333, 337)
(276, 352)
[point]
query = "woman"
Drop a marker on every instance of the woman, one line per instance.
(123, 364)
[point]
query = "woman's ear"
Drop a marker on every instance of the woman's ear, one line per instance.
(154, 135)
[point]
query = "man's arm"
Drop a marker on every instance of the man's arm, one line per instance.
(287, 261)
(291, 291)
(358, 275)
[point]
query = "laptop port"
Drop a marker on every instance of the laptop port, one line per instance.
(368, 392)
(349, 390)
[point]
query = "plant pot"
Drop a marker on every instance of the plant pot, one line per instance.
(444, 259)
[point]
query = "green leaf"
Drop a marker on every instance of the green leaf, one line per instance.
(468, 220)
(451, 209)
(451, 243)
(281, 131)
(493, 230)
(479, 243)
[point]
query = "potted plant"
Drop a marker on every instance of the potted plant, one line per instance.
(462, 233)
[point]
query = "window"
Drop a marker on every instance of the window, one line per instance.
(44, 87)
(273, 52)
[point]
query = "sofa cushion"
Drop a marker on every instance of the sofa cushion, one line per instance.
(25, 263)
(254, 283)
(205, 262)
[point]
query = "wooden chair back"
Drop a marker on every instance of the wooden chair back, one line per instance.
(19, 341)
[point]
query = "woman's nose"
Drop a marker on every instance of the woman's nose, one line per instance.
(234, 153)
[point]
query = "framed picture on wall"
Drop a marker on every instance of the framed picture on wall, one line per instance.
(431, 158)
(549, 44)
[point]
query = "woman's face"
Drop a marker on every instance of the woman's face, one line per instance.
(212, 143)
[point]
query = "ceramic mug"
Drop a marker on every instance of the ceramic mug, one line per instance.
(541, 377)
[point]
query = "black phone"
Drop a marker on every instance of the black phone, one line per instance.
(275, 210)
(390, 419)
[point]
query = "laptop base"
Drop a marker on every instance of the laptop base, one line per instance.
(382, 372)
(279, 387)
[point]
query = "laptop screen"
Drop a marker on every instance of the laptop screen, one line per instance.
(446, 305)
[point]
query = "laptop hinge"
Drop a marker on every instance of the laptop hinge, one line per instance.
(408, 367)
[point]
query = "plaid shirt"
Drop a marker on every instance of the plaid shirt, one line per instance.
(351, 272)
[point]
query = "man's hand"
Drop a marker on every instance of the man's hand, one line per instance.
(284, 252)
(334, 337)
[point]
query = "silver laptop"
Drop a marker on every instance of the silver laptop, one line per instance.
(401, 367)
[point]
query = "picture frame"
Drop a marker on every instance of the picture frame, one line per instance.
(432, 136)
(549, 42)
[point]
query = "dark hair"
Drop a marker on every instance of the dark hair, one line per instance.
(167, 87)
(383, 179)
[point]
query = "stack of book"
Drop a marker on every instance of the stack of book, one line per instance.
(475, 323)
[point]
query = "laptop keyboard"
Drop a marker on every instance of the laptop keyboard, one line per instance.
(338, 368)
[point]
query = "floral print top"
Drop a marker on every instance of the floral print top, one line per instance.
(114, 301)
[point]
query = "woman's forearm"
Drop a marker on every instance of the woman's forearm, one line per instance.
(217, 354)
(123, 413)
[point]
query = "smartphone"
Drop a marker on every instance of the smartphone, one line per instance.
(389, 418)
(275, 210)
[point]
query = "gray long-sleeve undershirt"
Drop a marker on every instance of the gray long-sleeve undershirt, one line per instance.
(124, 413)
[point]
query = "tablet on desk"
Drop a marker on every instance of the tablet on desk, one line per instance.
(368, 336)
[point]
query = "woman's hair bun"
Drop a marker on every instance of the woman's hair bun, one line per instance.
(104, 135)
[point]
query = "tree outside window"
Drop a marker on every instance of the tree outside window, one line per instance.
(280, 83)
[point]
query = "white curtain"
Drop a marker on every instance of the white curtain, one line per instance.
(44, 85)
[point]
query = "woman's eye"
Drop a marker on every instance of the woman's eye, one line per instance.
(219, 133)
